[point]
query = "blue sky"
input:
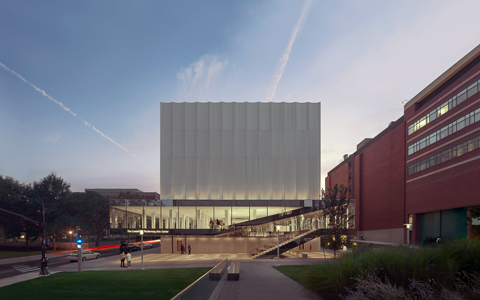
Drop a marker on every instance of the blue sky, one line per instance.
(111, 63)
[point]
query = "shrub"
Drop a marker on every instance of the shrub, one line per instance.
(399, 266)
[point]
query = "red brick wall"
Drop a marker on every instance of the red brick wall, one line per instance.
(380, 182)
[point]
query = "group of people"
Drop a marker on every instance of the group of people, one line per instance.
(128, 257)
(182, 249)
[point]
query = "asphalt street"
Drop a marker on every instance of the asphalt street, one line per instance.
(22, 267)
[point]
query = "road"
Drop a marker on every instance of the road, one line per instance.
(14, 269)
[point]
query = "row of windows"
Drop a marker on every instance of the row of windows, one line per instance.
(466, 120)
(445, 107)
(444, 156)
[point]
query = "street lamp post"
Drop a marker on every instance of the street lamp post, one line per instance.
(141, 247)
(44, 264)
(70, 232)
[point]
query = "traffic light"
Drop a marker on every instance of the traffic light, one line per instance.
(79, 243)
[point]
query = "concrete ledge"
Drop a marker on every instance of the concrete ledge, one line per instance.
(374, 243)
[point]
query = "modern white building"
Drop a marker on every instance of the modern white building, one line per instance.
(240, 151)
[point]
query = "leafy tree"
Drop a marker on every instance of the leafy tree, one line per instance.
(334, 206)
(91, 212)
(53, 191)
(13, 198)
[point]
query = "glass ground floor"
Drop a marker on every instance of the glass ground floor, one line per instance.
(194, 214)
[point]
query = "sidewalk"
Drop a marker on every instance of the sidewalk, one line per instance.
(258, 278)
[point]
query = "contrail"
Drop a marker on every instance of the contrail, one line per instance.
(71, 112)
(277, 75)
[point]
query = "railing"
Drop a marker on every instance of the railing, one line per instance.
(282, 239)
(208, 286)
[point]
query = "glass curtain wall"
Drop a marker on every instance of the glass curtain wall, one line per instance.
(257, 212)
(151, 219)
(186, 217)
(169, 217)
(223, 215)
(204, 217)
(240, 214)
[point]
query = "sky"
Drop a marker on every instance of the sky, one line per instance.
(81, 82)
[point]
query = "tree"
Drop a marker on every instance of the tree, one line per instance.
(53, 191)
(13, 198)
(92, 213)
(334, 206)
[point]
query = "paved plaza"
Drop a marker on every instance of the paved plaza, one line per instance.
(258, 278)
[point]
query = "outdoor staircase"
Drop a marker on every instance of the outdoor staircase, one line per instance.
(259, 251)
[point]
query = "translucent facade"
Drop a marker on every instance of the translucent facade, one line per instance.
(240, 151)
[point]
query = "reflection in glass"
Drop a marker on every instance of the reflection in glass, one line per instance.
(257, 212)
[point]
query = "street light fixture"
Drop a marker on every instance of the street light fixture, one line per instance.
(141, 247)
(70, 232)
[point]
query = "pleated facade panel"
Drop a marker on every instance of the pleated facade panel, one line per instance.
(313, 143)
(289, 143)
(252, 116)
(240, 116)
(178, 116)
(203, 179)
(227, 116)
(215, 116)
(240, 170)
(301, 116)
(313, 178)
(166, 115)
(314, 116)
(166, 179)
(277, 178)
(288, 116)
(190, 117)
(264, 116)
(191, 178)
(239, 143)
(252, 143)
(166, 144)
(202, 115)
(277, 143)
(215, 177)
(265, 143)
(302, 143)
(227, 143)
(277, 116)
(228, 178)
(190, 143)
(178, 168)
(265, 179)
(290, 178)
(302, 178)
(178, 149)
(215, 143)
(240, 151)
(203, 144)
(252, 178)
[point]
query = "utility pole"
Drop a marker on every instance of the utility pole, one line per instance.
(44, 265)
(79, 251)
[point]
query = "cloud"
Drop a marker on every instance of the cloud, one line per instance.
(196, 80)
(54, 137)
(282, 62)
(70, 111)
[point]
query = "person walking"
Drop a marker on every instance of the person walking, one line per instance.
(122, 259)
(129, 259)
(181, 249)
(189, 249)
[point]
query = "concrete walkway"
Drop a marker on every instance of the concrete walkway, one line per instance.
(258, 278)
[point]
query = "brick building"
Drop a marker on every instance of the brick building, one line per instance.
(415, 179)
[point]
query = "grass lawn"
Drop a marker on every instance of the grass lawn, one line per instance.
(10, 254)
(148, 284)
(295, 272)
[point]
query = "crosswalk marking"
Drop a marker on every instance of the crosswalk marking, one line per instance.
(25, 268)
